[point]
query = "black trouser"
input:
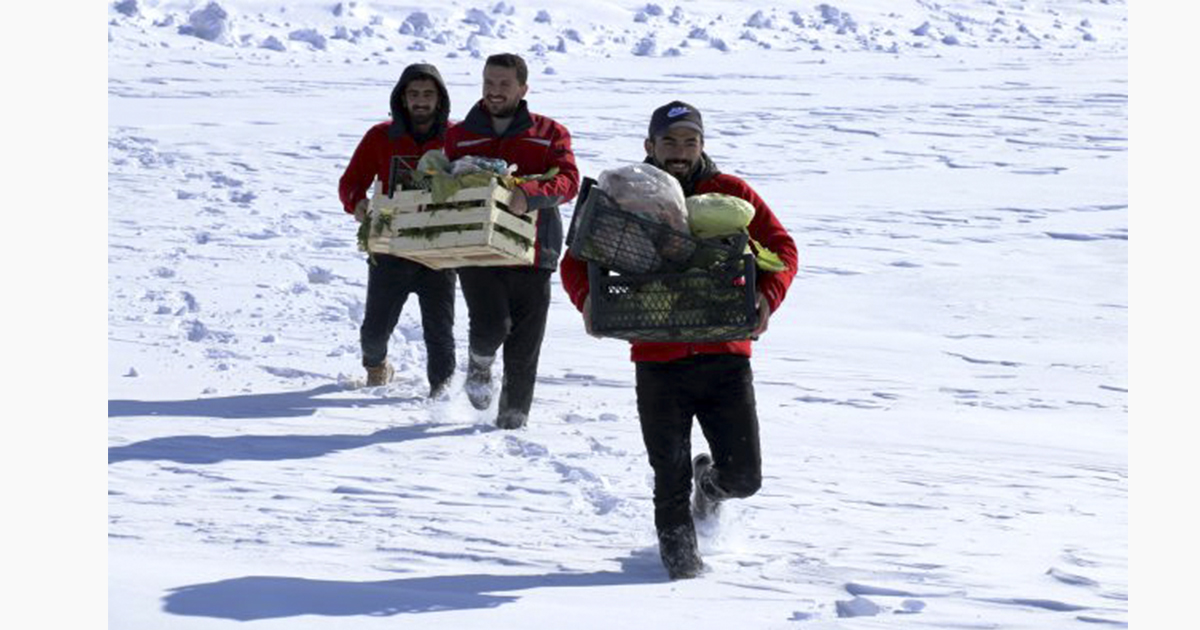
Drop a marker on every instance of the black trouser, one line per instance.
(718, 390)
(389, 282)
(507, 306)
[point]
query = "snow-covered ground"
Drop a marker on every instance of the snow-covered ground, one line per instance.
(943, 396)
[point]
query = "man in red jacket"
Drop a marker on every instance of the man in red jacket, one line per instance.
(420, 112)
(709, 381)
(507, 305)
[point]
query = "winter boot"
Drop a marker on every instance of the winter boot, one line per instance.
(706, 498)
(439, 391)
(511, 419)
(380, 374)
(479, 380)
(677, 548)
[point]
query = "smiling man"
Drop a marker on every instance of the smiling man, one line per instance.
(708, 382)
(507, 305)
(420, 113)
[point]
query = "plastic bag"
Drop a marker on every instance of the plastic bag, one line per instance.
(474, 163)
(446, 178)
(433, 162)
(648, 191)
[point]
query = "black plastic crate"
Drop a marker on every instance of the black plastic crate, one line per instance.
(715, 304)
(402, 175)
(601, 232)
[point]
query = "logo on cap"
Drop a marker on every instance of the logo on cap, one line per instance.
(677, 111)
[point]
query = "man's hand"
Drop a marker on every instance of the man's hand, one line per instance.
(518, 204)
(764, 316)
(587, 316)
(360, 210)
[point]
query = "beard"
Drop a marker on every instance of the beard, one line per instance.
(505, 110)
(422, 117)
(679, 169)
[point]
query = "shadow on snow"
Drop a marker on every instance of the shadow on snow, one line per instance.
(278, 405)
(262, 597)
(203, 449)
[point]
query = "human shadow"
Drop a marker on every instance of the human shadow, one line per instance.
(204, 449)
(265, 597)
(276, 405)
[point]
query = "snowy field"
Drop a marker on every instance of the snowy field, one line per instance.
(943, 396)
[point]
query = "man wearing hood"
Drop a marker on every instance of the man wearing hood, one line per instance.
(420, 112)
(711, 382)
(507, 305)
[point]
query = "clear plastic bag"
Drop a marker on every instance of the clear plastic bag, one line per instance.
(648, 191)
(474, 164)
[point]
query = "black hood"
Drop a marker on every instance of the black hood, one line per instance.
(400, 123)
(704, 170)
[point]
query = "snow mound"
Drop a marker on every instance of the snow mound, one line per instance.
(834, 17)
(309, 36)
(857, 607)
(647, 47)
(848, 26)
(212, 23)
(128, 8)
(418, 24)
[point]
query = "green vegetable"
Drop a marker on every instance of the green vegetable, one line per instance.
(435, 166)
(766, 259)
(364, 234)
(430, 233)
(444, 186)
(433, 162)
(715, 214)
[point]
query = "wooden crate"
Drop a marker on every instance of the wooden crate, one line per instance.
(472, 228)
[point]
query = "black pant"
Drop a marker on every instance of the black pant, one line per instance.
(507, 307)
(718, 390)
(389, 282)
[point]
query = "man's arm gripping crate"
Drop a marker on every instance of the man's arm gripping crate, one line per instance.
(471, 228)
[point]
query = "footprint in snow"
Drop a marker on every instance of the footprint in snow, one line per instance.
(523, 448)
(575, 418)
(1071, 578)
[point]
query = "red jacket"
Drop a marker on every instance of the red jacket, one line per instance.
(535, 144)
(764, 228)
(373, 159)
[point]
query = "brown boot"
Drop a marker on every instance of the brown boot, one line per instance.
(380, 374)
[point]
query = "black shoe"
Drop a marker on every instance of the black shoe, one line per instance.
(706, 503)
(511, 419)
(439, 392)
(479, 381)
(677, 548)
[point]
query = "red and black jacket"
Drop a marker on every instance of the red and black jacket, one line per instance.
(535, 144)
(373, 157)
(764, 228)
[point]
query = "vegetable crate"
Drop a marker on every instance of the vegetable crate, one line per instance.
(650, 282)
(714, 304)
(471, 228)
(627, 242)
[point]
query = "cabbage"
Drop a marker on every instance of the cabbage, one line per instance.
(715, 214)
